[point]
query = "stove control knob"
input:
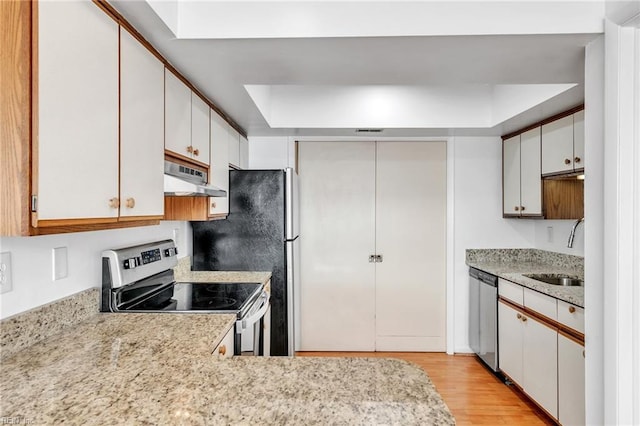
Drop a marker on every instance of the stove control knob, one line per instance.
(131, 263)
(172, 251)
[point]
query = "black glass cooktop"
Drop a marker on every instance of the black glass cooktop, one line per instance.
(235, 298)
(214, 297)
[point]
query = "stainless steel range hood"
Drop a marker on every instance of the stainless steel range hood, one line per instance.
(180, 180)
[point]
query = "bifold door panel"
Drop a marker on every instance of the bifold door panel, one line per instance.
(373, 244)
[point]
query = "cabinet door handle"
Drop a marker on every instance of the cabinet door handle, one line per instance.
(222, 350)
(378, 258)
(524, 319)
(213, 205)
(521, 208)
(190, 149)
(196, 152)
(516, 208)
(114, 202)
(567, 161)
(131, 203)
(519, 316)
(577, 159)
(572, 309)
(372, 258)
(583, 353)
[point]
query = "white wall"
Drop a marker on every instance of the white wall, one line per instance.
(478, 221)
(594, 231)
(31, 259)
(271, 152)
(556, 239)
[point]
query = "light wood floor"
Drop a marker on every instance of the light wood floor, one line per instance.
(472, 393)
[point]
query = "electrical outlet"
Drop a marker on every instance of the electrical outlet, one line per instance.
(549, 234)
(60, 263)
(6, 278)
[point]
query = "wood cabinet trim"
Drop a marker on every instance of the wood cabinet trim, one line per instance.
(15, 115)
(551, 323)
(116, 16)
(545, 121)
(65, 229)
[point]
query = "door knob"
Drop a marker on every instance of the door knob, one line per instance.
(114, 203)
(196, 152)
(577, 159)
(378, 258)
(131, 203)
(372, 258)
(516, 208)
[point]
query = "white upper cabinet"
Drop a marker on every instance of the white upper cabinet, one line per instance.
(77, 112)
(219, 170)
(186, 121)
(177, 115)
(199, 129)
(563, 145)
(522, 184)
(578, 140)
(141, 130)
(244, 153)
(234, 147)
(530, 181)
(511, 175)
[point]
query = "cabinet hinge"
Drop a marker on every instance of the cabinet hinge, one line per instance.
(34, 203)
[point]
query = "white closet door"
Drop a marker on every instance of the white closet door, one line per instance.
(411, 207)
(337, 235)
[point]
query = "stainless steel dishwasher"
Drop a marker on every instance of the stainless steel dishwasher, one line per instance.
(483, 316)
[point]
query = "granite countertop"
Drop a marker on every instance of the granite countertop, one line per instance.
(158, 369)
(513, 269)
(183, 273)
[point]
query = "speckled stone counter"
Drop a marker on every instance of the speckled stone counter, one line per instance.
(183, 273)
(157, 369)
(28, 328)
(512, 264)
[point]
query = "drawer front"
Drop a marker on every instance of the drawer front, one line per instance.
(570, 315)
(511, 291)
(546, 305)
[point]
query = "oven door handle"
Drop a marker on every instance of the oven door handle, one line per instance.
(244, 323)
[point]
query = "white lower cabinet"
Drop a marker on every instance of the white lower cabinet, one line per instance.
(540, 359)
(540, 364)
(225, 347)
(528, 351)
(570, 382)
(510, 335)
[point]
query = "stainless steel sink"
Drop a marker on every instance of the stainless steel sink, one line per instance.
(557, 279)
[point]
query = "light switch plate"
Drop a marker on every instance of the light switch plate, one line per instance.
(6, 277)
(60, 263)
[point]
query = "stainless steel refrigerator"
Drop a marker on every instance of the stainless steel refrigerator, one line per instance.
(260, 234)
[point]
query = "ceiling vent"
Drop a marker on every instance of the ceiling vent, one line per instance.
(369, 130)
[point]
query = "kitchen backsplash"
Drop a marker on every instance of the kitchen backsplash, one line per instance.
(525, 255)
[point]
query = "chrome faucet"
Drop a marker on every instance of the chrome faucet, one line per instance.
(573, 232)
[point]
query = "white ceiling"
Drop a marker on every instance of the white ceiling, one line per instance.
(313, 67)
